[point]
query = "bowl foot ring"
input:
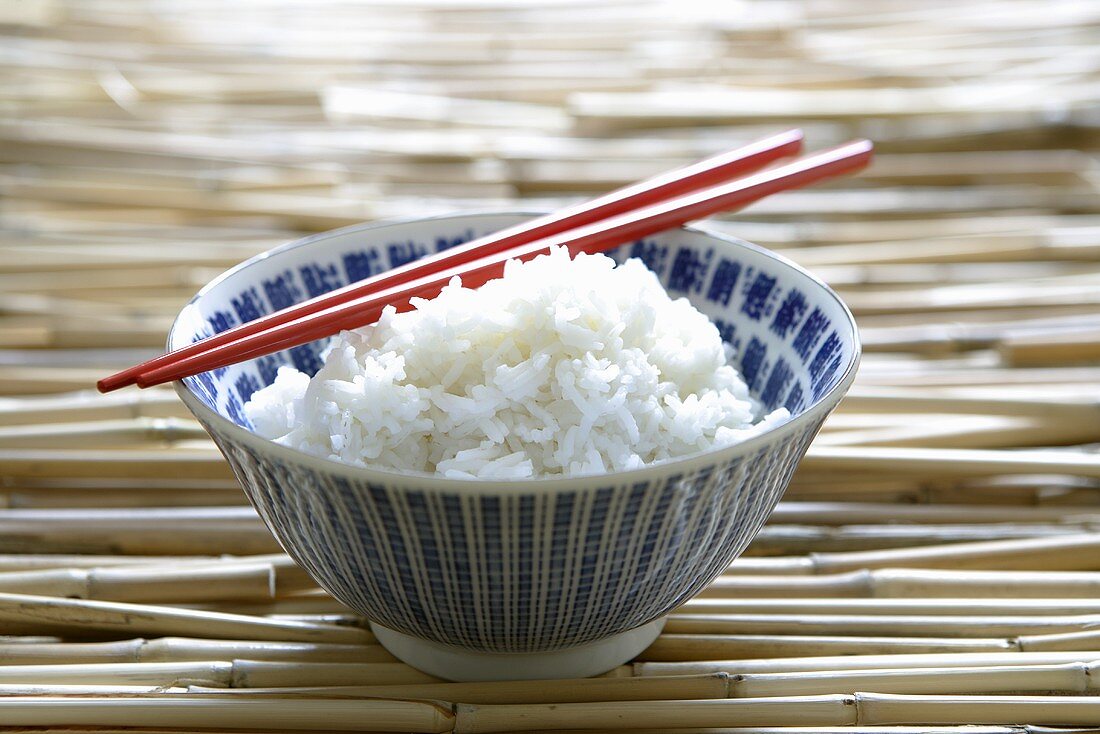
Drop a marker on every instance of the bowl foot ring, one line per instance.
(457, 664)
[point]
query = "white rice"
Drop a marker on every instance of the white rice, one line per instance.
(562, 367)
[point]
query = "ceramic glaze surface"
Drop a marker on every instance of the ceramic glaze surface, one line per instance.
(534, 565)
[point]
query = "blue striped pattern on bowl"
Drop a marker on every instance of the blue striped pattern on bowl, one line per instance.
(540, 564)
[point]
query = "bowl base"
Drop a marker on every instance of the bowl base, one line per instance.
(456, 664)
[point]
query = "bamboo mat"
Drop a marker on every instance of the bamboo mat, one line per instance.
(936, 561)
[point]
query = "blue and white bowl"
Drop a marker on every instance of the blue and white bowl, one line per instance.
(542, 577)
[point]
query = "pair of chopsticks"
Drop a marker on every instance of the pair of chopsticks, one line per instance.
(660, 203)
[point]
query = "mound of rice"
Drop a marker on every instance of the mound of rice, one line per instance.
(562, 367)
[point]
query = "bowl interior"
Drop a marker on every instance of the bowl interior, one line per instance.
(793, 339)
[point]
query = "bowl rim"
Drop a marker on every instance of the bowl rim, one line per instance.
(423, 481)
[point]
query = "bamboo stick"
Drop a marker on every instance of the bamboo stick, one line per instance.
(851, 513)
(903, 661)
(957, 432)
(28, 381)
(123, 278)
(181, 649)
(1067, 553)
(1067, 380)
(891, 400)
(681, 688)
(1059, 641)
(310, 602)
(887, 607)
(855, 584)
(31, 639)
(287, 674)
(272, 674)
(967, 462)
(142, 531)
(24, 611)
(868, 231)
(200, 713)
(84, 691)
(273, 574)
(968, 729)
(128, 464)
(986, 295)
(901, 583)
(897, 583)
(346, 619)
(121, 433)
(832, 710)
(149, 730)
(12, 562)
(1075, 677)
(679, 647)
(1074, 347)
(99, 540)
(27, 335)
(907, 625)
(733, 104)
(160, 518)
(142, 584)
(1049, 710)
(57, 497)
(786, 540)
(215, 673)
(187, 579)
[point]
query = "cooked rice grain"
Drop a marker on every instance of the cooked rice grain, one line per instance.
(562, 367)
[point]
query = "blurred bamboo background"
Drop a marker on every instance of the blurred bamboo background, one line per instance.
(936, 562)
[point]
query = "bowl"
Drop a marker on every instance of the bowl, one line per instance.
(539, 578)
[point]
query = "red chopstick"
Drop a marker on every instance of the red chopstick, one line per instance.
(708, 172)
(595, 237)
